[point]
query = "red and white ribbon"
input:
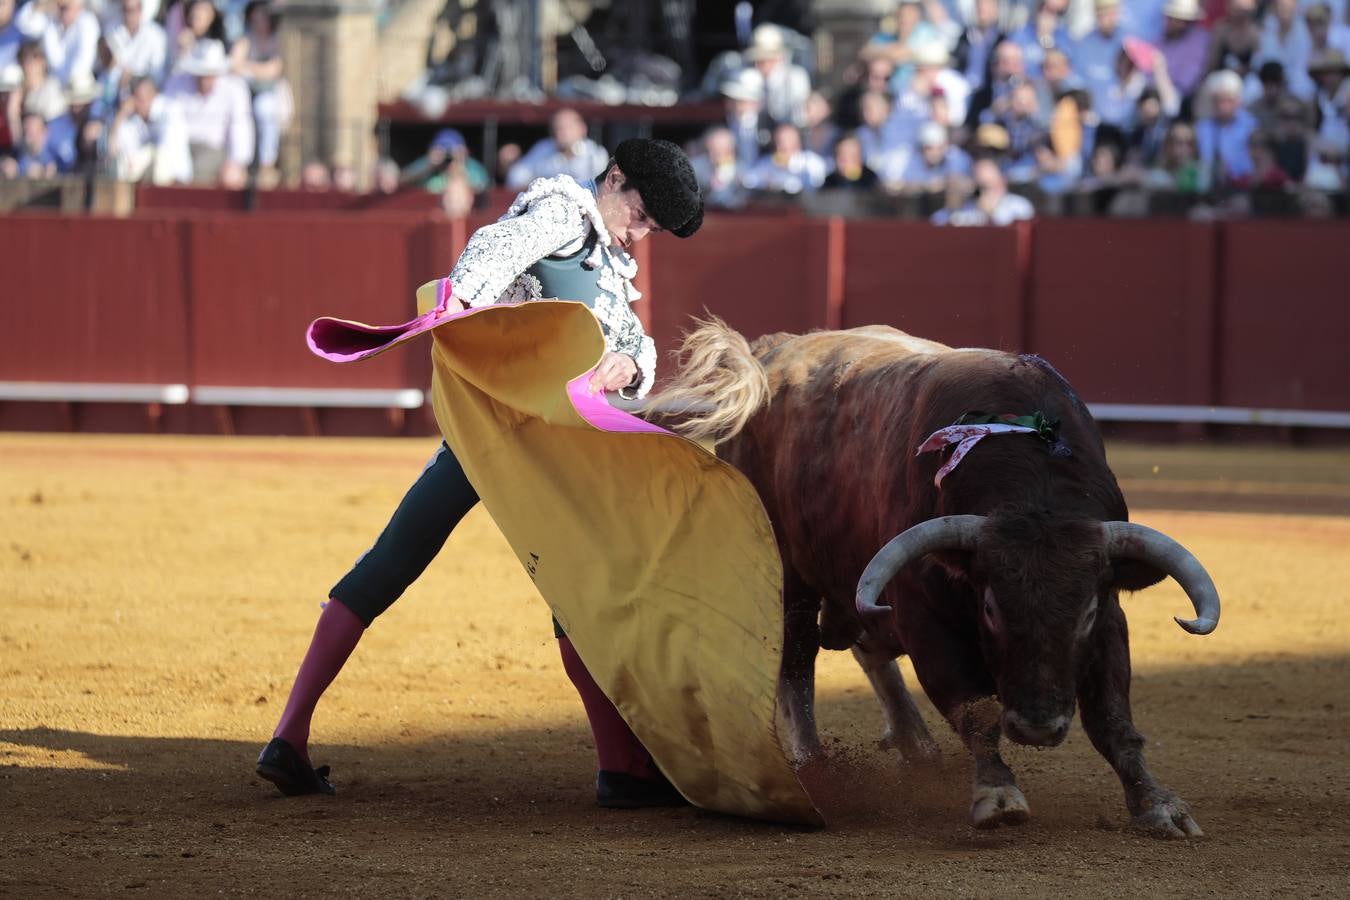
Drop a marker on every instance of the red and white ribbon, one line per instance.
(964, 437)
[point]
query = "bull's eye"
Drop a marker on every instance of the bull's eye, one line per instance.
(990, 609)
(1089, 618)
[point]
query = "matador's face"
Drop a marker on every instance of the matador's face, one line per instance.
(621, 207)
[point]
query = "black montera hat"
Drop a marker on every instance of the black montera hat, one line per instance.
(665, 181)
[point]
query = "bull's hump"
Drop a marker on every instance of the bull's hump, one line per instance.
(838, 356)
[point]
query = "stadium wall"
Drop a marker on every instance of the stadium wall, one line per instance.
(207, 310)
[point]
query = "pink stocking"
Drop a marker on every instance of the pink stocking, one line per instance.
(335, 637)
(617, 748)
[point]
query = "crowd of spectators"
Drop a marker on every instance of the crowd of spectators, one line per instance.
(188, 92)
(985, 111)
(974, 108)
(965, 111)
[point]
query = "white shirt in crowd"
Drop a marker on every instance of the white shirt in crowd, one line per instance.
(1009, 209)
(545, 160)
(69, 50)
(802, 172)
(220, 119)
(157, 146)
(142, 53)
(785, 92)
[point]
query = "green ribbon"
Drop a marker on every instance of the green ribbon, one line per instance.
(1046, 429)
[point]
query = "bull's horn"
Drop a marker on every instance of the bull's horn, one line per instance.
(1133, 541)
(945, 533)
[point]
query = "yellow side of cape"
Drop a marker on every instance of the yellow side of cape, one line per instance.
(656, 557)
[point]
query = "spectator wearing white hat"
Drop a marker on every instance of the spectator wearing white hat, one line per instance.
(147, 139)
(1331, 100)
(1323, 34)
(786, 84)
(932, 76)
(937, 162)
(1185, 44)
(566, 151)
(69, 34)
(1221, 134)
(137, 44)
(743, 96)
(217, 115)
(789, 168)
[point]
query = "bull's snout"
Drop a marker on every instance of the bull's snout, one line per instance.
(1046, 733)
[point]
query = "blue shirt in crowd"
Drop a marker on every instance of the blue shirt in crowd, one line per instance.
(1094, 60)
(10, 38)
(1223, 145)
(1033, 51)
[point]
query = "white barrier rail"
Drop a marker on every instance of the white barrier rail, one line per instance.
(362, 398)
(93, 392)
(412, 398)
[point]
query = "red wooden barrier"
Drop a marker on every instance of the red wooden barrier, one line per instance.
(92, 299)
(962, 287)
(1243, 314)
(759, 274)
(1122, 308)
(1284, 327)
(257, 282)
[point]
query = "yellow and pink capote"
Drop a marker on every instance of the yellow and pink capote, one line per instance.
(656, 557)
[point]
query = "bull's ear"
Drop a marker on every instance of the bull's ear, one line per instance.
(1135, 575)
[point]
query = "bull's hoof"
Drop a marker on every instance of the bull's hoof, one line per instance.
(996, 805)
(1169, 817)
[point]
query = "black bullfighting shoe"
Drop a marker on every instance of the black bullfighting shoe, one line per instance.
(281, 765)
(619, 790)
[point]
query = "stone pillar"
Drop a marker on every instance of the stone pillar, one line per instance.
(843, 27)
(331, 54)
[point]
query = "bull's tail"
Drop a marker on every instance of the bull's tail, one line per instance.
(719, 384)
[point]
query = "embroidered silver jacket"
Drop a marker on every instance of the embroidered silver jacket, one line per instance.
(554, 217)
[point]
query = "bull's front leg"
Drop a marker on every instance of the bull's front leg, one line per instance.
(954, 677)
(905, 729)
(797, 682)
(1104, 697)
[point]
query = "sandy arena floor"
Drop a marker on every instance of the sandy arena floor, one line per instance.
(157, 595)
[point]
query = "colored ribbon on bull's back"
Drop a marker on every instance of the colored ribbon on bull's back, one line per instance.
(656, 557)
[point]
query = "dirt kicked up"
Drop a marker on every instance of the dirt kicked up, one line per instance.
(156, 595)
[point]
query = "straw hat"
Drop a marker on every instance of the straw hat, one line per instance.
(746, 84)
(766, 42)
(206, 58)
(1184, 10)
(1328, 61)
(931, 53)
(83, 89)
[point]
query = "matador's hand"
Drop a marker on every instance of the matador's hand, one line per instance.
(616, 370)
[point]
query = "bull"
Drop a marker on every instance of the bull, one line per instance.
(1001, 584)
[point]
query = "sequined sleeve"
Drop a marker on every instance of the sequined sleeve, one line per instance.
(497, 254)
